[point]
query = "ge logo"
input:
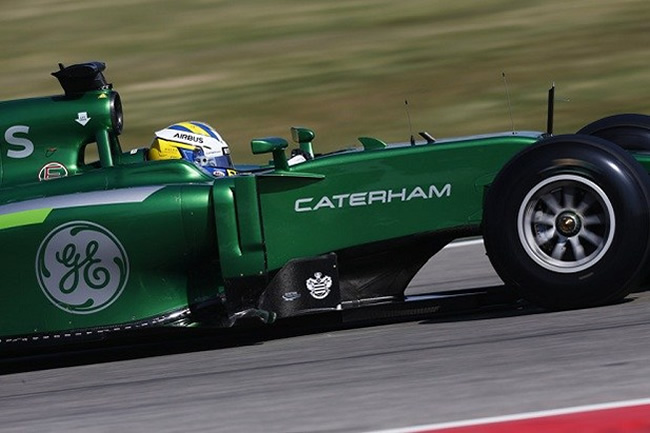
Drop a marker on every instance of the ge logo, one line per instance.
(81, 267)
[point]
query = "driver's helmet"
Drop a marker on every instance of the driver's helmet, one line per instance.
(196, 142)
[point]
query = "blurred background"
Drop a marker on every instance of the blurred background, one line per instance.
(253, 68)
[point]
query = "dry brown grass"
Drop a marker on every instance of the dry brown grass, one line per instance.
(254, 67)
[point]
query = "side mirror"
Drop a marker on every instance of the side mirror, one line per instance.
(304, 137)
(275, 145)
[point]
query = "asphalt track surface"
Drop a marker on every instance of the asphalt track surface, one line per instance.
(442, 369)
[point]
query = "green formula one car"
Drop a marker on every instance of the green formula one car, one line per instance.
(565, 219)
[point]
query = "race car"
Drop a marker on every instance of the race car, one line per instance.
(130, 242)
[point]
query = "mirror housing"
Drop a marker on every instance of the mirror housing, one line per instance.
(304, 137)
(275, 145)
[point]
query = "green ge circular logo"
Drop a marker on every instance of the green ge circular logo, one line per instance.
(82, 267)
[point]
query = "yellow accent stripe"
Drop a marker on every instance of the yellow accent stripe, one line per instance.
(195, 129)
(176, 144)
(23, 218)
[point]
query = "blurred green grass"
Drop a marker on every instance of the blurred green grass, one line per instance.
(344, 68)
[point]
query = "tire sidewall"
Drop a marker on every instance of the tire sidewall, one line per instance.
(625, 185)
(629, 131)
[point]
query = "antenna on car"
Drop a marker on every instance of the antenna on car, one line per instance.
(505, 83)
(550, 109)
(408, 115)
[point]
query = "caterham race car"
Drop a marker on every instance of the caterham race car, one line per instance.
(128, 242)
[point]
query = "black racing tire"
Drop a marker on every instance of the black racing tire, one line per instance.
(629, 131)
(566, 222)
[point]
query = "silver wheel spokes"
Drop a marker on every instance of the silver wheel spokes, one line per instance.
(566, 223)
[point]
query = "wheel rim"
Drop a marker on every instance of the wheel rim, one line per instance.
(566, 223)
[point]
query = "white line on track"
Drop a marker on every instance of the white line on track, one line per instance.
(520, 416)
(464, 243)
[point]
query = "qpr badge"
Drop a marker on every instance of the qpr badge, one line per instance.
(319, 285)
(302, 286)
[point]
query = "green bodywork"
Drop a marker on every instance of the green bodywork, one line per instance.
(127, 242)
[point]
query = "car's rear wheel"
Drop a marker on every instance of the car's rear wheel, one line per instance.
(567, 222)
(630, 131)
